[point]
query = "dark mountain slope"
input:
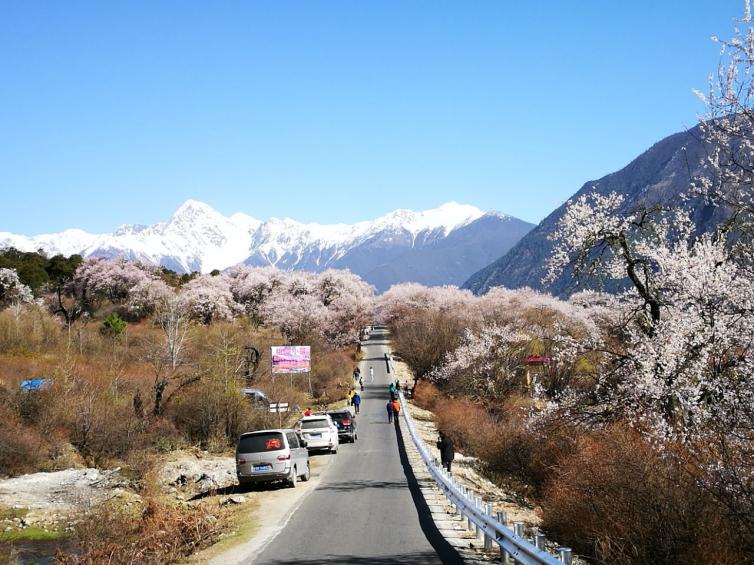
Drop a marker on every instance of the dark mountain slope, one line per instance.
(659, 175)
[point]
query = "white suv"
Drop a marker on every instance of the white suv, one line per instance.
(319, 432)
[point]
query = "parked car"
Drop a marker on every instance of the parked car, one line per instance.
(320, 432)
(346, 424)
(257, 397)
(271, 455)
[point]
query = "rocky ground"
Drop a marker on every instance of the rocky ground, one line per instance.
(54, 501)
(191, 473)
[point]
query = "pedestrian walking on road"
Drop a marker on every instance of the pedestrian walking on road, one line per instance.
(371, 374)
(389, 407)
(361, 383)
(391, 390)
(349, 396)
(447, 451)
(396, 410)
(356, 401)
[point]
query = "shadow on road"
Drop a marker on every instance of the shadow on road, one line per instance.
(424, 558)
(445, 551)
(240, 489)
(362, 484)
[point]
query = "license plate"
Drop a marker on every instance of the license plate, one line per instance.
(262, 467)
(315, 435)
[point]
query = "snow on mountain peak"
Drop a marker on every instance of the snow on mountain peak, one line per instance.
(193, 209)
(447, 217)
(198, 237)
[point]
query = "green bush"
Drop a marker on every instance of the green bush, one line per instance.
(113, 326)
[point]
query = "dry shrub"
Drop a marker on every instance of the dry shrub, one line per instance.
(34, 330)
(332, 374)
(153, 533)
(512, 453)
(467, 423)
(620, 500)
(22, 448)
(423, 338)
(105, 426)
(426, 395)
(162, 435)
(213, 413)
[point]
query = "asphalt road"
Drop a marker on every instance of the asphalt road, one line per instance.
(368, 509)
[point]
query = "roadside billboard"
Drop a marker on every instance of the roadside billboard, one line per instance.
(291, 359)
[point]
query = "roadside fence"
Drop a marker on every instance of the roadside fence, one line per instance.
(492, 528)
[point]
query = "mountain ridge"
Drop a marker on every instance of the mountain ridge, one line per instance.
(197, 237)
(659, 175)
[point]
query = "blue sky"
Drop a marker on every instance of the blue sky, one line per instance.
(334, 111)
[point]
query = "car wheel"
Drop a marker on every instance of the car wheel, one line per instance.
(305, 477)
(293, 478)
(333, 450)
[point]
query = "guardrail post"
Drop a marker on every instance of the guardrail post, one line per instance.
(470, 523)
(539, 541)
(487, 538)
(502, 517)
(518, 529)
(479, 531)
(566, 555)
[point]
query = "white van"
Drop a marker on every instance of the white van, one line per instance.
(319, 432)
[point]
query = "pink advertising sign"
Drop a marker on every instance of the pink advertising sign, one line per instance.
(291, 359)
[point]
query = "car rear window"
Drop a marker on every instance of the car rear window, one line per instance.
(340, 416)
(312, 424)
(270, 441)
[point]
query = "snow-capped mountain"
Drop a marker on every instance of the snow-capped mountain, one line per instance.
(390, 249)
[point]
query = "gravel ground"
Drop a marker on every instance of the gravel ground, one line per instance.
(197, 472)
(61, 490)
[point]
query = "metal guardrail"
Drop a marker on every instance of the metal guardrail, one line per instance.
(493, 529)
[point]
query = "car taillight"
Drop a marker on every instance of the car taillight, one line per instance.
(346, 422)
(284, 457)
(240, 461)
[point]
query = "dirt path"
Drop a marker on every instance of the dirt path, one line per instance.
(262, 515)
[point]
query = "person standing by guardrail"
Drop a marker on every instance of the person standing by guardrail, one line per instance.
(447, 451)
(396, 410)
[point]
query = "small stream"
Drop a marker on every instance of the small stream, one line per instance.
(35, 552)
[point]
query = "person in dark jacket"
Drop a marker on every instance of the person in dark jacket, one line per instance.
(356, 401)
(447, 452)
(389, 408)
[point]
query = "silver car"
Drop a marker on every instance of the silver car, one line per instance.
(271, 455)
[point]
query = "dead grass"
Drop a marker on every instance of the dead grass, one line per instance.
(606, 493)
(153, 533)
(619, 499)
(102, 397)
